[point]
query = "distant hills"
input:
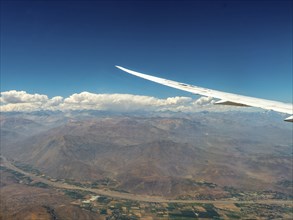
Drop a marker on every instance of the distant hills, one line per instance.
(169, 154)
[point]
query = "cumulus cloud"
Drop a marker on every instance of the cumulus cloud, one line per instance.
(120, 102)
(204, 101)
(14, 96)
(22, 101)
(57, 100)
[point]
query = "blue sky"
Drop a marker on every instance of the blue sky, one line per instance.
(65, 47)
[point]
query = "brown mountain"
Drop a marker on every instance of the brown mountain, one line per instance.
(168, 156)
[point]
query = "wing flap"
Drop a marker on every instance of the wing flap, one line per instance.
(223, 102)
(289, 119)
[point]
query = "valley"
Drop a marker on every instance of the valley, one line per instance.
(160, 166)
(118, 205)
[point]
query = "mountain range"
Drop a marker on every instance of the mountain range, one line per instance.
(167, 154)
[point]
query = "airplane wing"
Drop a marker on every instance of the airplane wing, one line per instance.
(225, 98)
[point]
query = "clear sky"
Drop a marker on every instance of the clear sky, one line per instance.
(65, 47)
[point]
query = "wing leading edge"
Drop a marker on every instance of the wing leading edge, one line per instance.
(225, 98)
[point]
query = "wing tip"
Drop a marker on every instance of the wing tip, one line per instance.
(122, 68)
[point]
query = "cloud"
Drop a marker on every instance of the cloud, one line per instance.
(204, 101)
(55, 101)
(120, 102)
(14, 96)
(22, 101)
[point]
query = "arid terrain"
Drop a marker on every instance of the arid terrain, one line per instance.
(206, 156)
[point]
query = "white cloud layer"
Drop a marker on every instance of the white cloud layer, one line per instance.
(22, 101)
(14, 96)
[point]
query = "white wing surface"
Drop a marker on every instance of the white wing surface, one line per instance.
(225, 98)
